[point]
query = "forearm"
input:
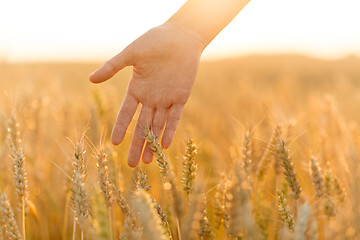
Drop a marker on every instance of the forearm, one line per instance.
(207, 18)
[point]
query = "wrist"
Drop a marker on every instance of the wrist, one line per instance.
(191, 32)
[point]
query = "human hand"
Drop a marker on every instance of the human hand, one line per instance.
(165, 62)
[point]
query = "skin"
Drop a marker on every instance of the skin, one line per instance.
(165, 61)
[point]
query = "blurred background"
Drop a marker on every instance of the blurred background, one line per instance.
(281, 64)
(41, 30)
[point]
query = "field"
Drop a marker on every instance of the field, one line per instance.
(267, 148)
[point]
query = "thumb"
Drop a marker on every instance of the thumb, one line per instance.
(112, 66)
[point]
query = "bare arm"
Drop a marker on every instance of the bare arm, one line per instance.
(207, 17)
(165, 61)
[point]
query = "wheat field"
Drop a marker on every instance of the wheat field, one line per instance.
(267, 148)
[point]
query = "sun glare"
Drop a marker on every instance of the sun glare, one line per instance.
(95, 30)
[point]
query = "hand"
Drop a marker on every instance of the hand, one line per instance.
(165, 62)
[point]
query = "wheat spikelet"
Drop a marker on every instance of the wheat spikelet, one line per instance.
(13, 137)
(317, 177)
(17, 158)
(189, 169)
(241, 221)
(303, 218)
(205, 232)
(158, 152)
(339, 190)
(125, 209)
(80, 198)
(148, 217)
(284, 211)
(166, 173)
(290, 174)
(163, 218)
(8, 226)
(103, 177)
(247, 153)
(329, 204)
(18, 161)
(269, 153)
(142, 181)
(129, 232)
(220, 203)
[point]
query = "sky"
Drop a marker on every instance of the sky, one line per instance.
(88, 30)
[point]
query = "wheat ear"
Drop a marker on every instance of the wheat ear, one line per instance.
(290, 174)
(8, 226)
(165, 171)
(206, 231)
(148, 217)
(142, 182)
(240, 206)
(103, 177)
(18, 167)
(130, 218)
(269, 153)
(284, 211)
(80, 198)
(329, 204)
(317, 177)
(189, 169)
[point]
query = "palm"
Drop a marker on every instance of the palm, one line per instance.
(165, 63)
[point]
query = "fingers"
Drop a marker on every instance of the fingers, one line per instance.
(171, 124)
(157, 127)
(138, 138)
(126, 113)
(112, 66)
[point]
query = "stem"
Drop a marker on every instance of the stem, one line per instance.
(65, 223)
(74, 229)
(23, 218)
(178, 228)
(82, 235)
(110, 222)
